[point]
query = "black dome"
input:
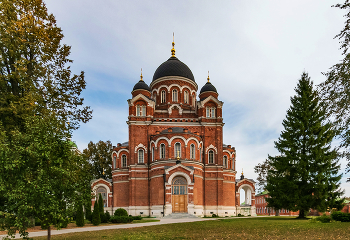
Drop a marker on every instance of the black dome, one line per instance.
(173, 67)
(208, 87)
(141, 85)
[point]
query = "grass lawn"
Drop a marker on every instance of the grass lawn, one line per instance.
(236, 228)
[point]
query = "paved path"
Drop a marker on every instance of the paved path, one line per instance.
(117, 226)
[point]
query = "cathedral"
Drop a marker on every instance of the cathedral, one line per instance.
(175, 159)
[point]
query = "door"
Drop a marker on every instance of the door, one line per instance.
(179, 194)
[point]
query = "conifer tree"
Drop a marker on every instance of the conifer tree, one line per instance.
(305, 174)
(88, 213)
(96, 219)
(101, 208)
(80, 216)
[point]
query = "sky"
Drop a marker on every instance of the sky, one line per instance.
(255, 51)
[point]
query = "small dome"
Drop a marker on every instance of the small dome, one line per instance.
(141, 85)
(173, 67)
(208, 87)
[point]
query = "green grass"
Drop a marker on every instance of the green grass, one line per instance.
(235, 228)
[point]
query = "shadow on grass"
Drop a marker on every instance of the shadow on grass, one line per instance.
(266, 219)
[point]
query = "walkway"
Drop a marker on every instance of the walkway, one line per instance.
(117, 226)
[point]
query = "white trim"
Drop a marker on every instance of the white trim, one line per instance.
(176, 174)
(202, 103)
(141, 146)
(175, 105)
(211, 146)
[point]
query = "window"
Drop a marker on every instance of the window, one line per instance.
(140, 156)
(115, 161)
(192, 151)
(103, 192)
(177, 150)
(200, 154)
(162, 97)
(152, 154)
(162, 151)
(210, 112)
(211, 156)
(186, 97)
(179, 186)
(140, 110)
(124, 161)
(225, 161)
(193, 100)
(174, 95)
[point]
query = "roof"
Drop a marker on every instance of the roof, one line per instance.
(174, 130)
(208, 87)
(141, 85)
(173, 67)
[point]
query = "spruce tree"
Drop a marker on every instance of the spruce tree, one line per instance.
(305, 174)
(101, 208)
(96, 219)
(80, 216)
(88, 214)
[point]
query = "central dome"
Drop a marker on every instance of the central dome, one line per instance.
(173, 67)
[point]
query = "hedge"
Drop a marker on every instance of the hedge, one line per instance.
(121, 219)
(340, 216)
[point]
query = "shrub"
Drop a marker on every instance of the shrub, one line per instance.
(137, 218)
(37, 222)
(96, 218)
(121, 219)
(120, 212)
(239, 215)
(88, 214)
(214, 215)
(80, 216)
(107, 217)
(324, 218)
(340, 216)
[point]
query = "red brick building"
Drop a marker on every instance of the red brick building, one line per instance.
(175, 159)
(262, 209)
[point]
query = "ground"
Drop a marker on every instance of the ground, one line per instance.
(235, 228)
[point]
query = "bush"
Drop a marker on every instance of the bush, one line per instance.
(37, 222)
(340, 216)
(137, 218)
(239, 215)
(88, 214)
(324, 218)
(120, 212)
(214, 215)
(80, 216)
(96, 218)
(121, 219)
(105, 218)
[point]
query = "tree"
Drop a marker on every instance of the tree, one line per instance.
(101, 208)
(100, 157)
(335, 91)
(305, 175)
(40, 106)
(88, 210)
(80, 216)
(96, 219)
(262, 169)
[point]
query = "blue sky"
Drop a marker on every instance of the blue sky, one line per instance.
(255, 51)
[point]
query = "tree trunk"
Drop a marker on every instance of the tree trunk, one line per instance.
(49, 233)
(301, 214)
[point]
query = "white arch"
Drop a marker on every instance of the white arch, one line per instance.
(174, 137)
(141, 146)
(246, 185)
(192, 138)
(172, 85)
(176, 174)
(175, 105)
(165, 138)
(229, 153)
(122, 150)
(211, 147)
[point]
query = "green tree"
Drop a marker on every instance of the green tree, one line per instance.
(80, 216)
(100, 157)
(262, 169)
(305, 175)
(96, 219)
(101, 208)
(335, 91)
(40, 106)
(88, 213)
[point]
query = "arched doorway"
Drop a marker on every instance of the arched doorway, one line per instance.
(179, 194)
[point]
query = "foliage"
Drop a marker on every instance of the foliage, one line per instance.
(120, 212)
(324, 219)
(262, 169)
(305, 174)
(214, 215)
(80, 216)
(121, 219)
(99, 155)
(88, 214)
(335, 91)
(340, 216)
(107, 216)
(136, 217)
(96, 217)
(38, 97)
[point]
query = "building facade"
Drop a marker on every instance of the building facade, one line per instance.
(262, 209)
(175, 159)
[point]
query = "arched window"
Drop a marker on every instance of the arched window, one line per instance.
(140, 110)
(210, 112)
(200, 154)
(225, 161)
(103, 192)
(179, 186)
(211, 156)
(192, 151)
(140, 156)
(115, 161)
(193, 100)
(152, 154)
(162, 97)
(124, 164)
(174, 95)
(162, 151)
(186, 97)
(177, 150)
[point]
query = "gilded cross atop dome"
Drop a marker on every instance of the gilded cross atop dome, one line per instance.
(173, 49)
(141, 76)
(208, 77)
